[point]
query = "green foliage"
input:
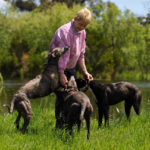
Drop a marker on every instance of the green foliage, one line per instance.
(5, 38)
(105, 51)
(9, 65)
(36, 63)
(143, 55)
(116, 42)
(29, 33)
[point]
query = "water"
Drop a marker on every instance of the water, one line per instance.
(10, 87)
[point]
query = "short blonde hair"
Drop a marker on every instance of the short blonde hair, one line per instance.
(84, 15)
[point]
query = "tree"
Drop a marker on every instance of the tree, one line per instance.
(23, 5)
(29, 5)
(70, 2)
(102, 40)
(143, 55)
(26, 5)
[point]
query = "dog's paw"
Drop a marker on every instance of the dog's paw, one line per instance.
(23, 131)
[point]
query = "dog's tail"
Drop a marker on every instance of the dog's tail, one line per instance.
(8, 106)
(11, 106)
(83, 107)
(137, 102)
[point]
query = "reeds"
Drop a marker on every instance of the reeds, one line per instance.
(1, 83)
(1, 79)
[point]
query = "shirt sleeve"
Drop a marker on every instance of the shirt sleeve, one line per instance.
(58, 40)
(61, 40)
(81, 57)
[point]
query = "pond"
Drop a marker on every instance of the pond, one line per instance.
(10, 87)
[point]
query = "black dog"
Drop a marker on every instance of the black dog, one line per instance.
(74, 106)
(41, 86)
(111, 94)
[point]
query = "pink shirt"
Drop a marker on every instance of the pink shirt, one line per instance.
(66, 35)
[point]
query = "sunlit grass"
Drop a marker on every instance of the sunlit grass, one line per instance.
(120, 135)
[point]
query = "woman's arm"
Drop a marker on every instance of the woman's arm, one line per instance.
(84, 70)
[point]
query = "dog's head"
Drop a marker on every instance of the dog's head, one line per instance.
(82, 83)
(72, 83)
(57, 52)
(72, 86)
(96, 86)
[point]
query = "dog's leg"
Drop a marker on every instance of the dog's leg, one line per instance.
(136, 104)
(106, 115)
(26, 123)
(69, 127)
(136, 108)
(57, 115)
(127, 109)
(58, 111)
(105, 108)
(87, 118)
(79, 125)
(26, 112)
(18, 120)
(70, 122)
(100, 116)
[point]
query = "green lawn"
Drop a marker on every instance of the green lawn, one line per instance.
(120, 135)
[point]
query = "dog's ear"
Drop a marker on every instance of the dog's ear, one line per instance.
(72, 82)
(80, 83)
(49, 55)
(52, 54)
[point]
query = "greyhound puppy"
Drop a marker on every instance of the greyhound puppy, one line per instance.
(75, 107)
(113, 93)
(41, 85)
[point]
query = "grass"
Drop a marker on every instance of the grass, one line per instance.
(1, 83)
(1, 79)
(120, 135)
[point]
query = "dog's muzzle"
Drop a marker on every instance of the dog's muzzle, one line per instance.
(66, 48)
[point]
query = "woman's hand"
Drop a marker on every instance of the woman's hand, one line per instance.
(88, 76)
(84, 71)
(63, 80)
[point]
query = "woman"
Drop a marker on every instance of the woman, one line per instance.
(73, 35)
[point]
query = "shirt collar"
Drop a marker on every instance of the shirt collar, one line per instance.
(74, 28)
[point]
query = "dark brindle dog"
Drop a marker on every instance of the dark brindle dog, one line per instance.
(111, 94)
(81, 83)
(74, 106)
(42, 85)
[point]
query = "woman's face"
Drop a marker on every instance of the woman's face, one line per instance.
(79, 25)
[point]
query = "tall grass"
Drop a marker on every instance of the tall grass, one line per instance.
(1, 79)
(1, 83)
(120, 135)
